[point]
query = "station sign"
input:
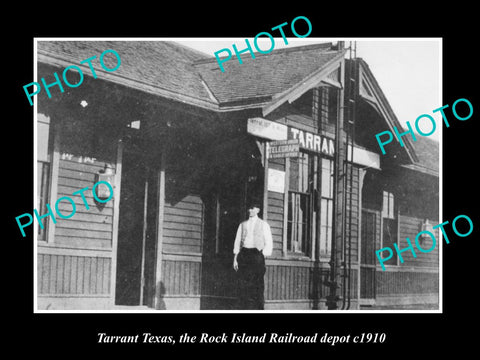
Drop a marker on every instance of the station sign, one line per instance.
(267, 129)
(272, 130)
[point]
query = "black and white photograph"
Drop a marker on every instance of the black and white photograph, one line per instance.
(248, 180)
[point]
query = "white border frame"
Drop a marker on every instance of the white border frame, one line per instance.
(293, 42)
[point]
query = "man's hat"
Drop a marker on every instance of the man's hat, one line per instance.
(254, 204)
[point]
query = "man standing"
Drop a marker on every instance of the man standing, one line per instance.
(252, 243)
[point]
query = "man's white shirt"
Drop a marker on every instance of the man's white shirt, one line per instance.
(249, 241)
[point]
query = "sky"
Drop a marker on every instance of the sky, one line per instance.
(407, 70)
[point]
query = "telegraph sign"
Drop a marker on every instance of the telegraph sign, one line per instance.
(284, 149)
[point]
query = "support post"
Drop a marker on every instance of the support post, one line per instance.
(265, 181)
(116, 217)
(159, 286)
(337, 236)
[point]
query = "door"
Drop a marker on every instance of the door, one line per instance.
(367, 256)
(136, 232)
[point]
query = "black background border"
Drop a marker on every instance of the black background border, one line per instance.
(406, 334)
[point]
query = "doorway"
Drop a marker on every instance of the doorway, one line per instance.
(135, 282)
(236, 179)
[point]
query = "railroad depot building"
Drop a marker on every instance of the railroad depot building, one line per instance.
(186, 147)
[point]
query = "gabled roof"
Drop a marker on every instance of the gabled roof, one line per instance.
(171, 70)
(427, 151)
(168, 69)
(265, 76)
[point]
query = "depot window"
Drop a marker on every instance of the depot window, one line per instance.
(300, 203)
(310, 205)
(389, 224)
(326, 206)
(43, 170)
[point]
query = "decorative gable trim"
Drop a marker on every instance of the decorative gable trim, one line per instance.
(373, 94)
(336, 65)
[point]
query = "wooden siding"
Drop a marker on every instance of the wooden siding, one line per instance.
(367, 283)
(406, 282)
(353, 274)
(69, 274)
(183, 225)
(90, 228)
(219, 279)
(275, 220)
(354, 232)
(287, 282)
(181, 277)
(301, 122)
(378, 235)
(299, 282)
(410, 227)
(368, 274)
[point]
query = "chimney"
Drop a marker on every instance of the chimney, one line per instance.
(338, 45)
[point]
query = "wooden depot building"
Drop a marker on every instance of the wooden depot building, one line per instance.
(186, 147)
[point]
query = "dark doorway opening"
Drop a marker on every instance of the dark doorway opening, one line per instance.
(235, 180)
(136, 247)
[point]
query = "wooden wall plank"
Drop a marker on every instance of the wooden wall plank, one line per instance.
(173, 248)
(66, 174)
(40, 273)
(94, 274)
(52, 273)
(83, 243)
(84, 233)
(268, 283)
(283, 285)
(69, 185)
(274, 202)
(99, 271)
(176, 277)
(185, 226)
(80, 166)
(107, 275)
(85, 225)
(182, 219)
(93, 214)
(59, 274)
(182, 212)
(291, 282)
(410, 227)
(74, 274)
(275, 217)
(104, 217)
(87, 275)
(184, 205)
(407, 282)
(80, 273)
(67, 271)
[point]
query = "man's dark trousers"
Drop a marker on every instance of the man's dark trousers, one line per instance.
(251, 269)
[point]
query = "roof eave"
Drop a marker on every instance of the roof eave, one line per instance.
(47, 58)
(421, 169)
